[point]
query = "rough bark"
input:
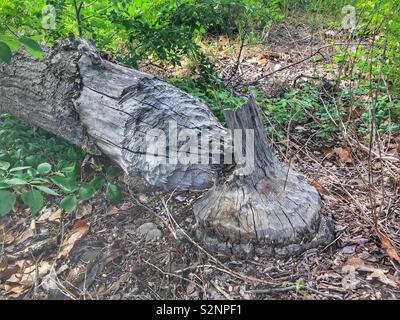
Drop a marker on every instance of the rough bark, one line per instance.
(272, 210)
(106, 108)
(110, 109)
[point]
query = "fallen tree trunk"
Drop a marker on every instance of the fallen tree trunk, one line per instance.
(107, 108)
(122, 113)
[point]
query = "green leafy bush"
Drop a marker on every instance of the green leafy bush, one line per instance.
(135, 29)
(209, 87)
(35, 165)
(378, 21)
(300, 107)
(169, 30)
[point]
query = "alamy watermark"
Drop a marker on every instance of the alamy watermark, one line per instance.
(204, 147)
(349, 20)
(49, 17)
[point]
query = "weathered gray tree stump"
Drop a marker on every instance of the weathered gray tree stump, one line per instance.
(272, 210)
(110, 109)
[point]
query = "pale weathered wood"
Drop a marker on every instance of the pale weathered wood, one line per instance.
(271, 210)
(106, 108)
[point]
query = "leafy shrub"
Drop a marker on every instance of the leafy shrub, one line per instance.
(387, 116)
(135, 29)
(35, 164)
(379, 21)
(209, 87)
(171, 31)
(300, 107)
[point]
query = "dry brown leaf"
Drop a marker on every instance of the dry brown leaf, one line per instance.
(329, 153)
(222, 43)
(343, 154)
(76, 273)
(261, 59)
(128, 205)
(56, 216)
(28, 233)
(49, 215)
(15, 291)
(356, 263)
(6, 238)
(317, 187)
(79, 230)
(112, 211)
(84, 210)
(44, 214)
(143, 199)
(380, 275)
(388, 246)
(28, 275)
(360, 264)
(23, 275)
(191, 288)
(394, 149)
(33, 226)
(7, 270)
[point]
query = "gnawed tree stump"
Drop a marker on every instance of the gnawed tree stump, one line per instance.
(110, 109)
(271, 211)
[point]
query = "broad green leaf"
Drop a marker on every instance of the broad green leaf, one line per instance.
(44, 168)
(39, 181)
(47, 190)
(15, 182)
(11, 41)
(73, 154)
(34, 200)
(69, 168)
(31, 172)
(69, 203)
(86, 192)
(112, 172)
(4, 165)
(5, 52)
(113, 193)
(65, 184)
(97, 182)
(4, 185)
(7, 201)
(20, 168)
(32, 47)
(31, 160)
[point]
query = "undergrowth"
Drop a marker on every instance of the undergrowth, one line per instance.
(35, 165)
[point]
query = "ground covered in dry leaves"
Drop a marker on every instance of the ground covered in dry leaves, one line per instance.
(146, 248)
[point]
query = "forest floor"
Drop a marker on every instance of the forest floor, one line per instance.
(99, 252)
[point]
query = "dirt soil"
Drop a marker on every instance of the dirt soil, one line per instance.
(99, 252)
